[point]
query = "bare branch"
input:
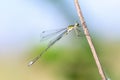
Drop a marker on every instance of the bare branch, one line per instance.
(86, 32)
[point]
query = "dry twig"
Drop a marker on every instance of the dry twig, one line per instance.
(86, 32)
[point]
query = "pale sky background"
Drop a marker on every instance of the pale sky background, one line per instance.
(22, 20)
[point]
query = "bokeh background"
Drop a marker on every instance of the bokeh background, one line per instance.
(21, 22)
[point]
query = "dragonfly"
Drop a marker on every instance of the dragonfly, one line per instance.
(65, 31)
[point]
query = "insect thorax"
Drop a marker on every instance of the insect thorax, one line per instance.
(70, 27)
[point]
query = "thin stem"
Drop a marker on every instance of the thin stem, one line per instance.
(86, 32)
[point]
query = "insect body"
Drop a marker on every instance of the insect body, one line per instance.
(64, 32)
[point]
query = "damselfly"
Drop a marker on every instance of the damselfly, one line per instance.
(65, 31)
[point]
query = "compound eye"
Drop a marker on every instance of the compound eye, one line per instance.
(77, 24)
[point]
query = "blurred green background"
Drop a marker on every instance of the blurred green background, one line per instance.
(21, 23)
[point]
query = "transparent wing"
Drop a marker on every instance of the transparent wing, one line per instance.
(49, 34)
(57, 38)
(49, 45)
